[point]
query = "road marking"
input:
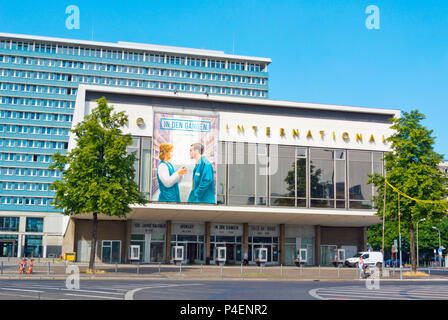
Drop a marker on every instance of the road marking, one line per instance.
(130, 294)
(25, 290)
(394, 293)
(89, 296)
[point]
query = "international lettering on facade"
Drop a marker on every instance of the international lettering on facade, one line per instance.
(310, 134)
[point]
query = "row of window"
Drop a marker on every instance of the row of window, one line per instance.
(132, 69)
(24, 157)
(29, 172)
(37, 89)
(35, 116)
(18, 143)
(28, 201)
(125, 83)
(11, 224)
(125, 55)
(24, 186)
(33, 130)
(37, 102)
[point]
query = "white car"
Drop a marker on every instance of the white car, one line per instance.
(371, 259)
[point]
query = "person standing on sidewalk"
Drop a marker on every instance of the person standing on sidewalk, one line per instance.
(360, 266)
(245, 259)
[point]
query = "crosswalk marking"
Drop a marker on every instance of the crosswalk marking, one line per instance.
(385, 293)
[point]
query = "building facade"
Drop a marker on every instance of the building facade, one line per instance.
(39, 79)
(286, 176)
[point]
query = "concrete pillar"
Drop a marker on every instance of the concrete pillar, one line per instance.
(245, 239)
(168, 242)
(364, 239)
(282, 246)
(128, 240)
(317, 248)
(207, 243)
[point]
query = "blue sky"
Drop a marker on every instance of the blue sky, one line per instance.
(321, 50)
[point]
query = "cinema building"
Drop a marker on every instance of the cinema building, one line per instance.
(286, 175)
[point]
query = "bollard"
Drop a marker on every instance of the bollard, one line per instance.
(281, 270)
(301, 270)
(1, 269)
(319, 271)
(116, 268)
(221, 271)
(138, 267)
(241, 270)
(48, 267)
(159, 266)
(180, 270)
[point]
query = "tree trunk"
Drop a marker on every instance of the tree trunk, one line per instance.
(412, 246)
(93, 247)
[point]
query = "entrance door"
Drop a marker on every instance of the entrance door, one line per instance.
(111, 251)
(192, 249)
(230, 254)
(327, 253)
(7, 248)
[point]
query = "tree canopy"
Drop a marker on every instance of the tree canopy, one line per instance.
(98, 173)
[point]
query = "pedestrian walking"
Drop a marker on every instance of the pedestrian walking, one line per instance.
(245, 259)
(360, 266)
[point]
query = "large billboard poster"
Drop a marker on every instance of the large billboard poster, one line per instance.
(184, 158)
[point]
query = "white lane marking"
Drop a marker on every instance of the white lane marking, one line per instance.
(130, 294)
(83, 290)
(25, 290)
(409, 293)
(89, 296)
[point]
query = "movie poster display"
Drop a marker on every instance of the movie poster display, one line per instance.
(184, 158)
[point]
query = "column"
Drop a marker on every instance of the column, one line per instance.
(317, 248)
(282, 244)
(364, 238)
(168, 242)
(44, 246)
(207, 243)
(245, 238)
(128, 240)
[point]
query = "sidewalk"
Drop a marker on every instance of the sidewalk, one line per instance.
(60, 270)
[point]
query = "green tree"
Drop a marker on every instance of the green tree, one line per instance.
(412, 167)
(98, 174)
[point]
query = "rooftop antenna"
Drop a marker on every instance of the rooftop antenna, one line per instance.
(93, 27)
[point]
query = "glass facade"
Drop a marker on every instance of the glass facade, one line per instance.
(9, 224)
(38, 85)
(34, 224)
(33, 246)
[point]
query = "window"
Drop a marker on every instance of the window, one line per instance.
(34, 224)
(33, 246)
(9, 224)
(359, 167)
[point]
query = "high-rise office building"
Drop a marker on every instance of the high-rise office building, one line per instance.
(39, 78)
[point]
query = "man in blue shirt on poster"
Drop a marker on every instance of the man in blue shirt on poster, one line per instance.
(203, 189)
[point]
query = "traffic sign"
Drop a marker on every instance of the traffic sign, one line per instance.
(440, 251)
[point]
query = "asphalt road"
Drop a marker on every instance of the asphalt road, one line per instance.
(220, 290)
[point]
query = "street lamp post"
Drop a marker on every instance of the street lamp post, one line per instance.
(418, 260)
(440, 245)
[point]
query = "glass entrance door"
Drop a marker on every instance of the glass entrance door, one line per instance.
(327, 254)
(111, 251)
(8, 248)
